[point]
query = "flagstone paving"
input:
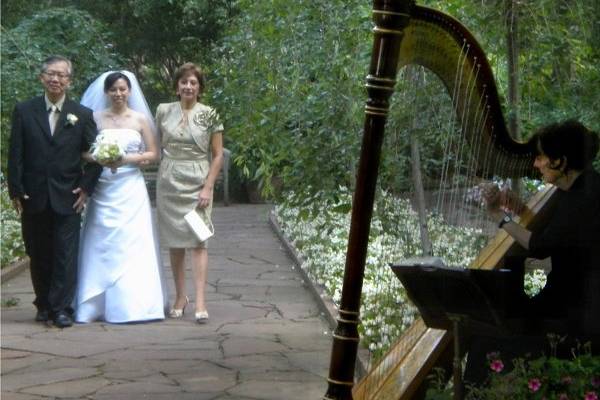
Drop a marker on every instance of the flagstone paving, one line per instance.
(266, 338)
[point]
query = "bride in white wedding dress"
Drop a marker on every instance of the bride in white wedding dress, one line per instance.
(119, 263)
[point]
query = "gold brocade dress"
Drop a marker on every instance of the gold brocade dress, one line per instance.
(183, 169)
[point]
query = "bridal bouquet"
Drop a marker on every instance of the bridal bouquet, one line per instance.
(106, 150)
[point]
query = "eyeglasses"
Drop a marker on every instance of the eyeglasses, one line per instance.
(54, 74)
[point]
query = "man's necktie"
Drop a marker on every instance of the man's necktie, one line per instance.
(53, 118)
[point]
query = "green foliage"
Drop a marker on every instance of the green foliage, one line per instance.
(291, 75)
(321, 237)
(560, 62)
(558, 55)
(440, 388)
(546, 377)
(287, 77)
(66, 31)
(534, 281)
(14, 11)
(10, 302)
(155, 37)
(10, 229)
(418, 93)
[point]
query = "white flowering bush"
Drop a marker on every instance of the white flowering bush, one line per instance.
(322, 238)
(10, 231)
(534, 281)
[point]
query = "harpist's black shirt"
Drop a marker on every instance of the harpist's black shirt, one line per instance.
(572, 240)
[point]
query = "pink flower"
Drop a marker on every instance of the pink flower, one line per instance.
(496, 365)
(591, 396)
(534, 384)
(563, 396)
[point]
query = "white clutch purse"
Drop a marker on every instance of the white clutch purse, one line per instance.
(198, 225)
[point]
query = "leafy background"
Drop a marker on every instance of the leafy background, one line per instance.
(287, 79)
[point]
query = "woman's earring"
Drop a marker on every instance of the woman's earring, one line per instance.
(557, 164)
(562, 165)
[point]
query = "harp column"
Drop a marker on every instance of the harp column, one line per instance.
(390, 18)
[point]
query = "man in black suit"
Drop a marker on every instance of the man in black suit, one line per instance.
(49, 185)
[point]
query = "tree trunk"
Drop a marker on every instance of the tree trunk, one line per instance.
(417, 177)
(512, 47)
(419, 194)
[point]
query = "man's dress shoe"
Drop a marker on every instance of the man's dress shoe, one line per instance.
(63, 320)
(41, 316)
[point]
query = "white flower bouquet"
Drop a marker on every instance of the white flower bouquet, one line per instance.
(106, 150)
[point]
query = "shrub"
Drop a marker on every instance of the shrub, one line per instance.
(66, 31)
(546, 377)
(10, 231)
(319, 231)
(321, 238)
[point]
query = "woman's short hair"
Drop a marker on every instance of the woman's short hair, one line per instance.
(569, 140)
(189, 68)
(112, 78)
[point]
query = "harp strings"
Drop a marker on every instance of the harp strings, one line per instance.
(460, 159)
(468, 152)
(479, 122)
(449, 131)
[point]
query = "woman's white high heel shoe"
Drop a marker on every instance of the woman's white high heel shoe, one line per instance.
(178, 312)
(201, 316)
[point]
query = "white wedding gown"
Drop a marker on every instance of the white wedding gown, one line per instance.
(119, 262)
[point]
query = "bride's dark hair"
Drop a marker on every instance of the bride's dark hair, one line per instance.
(112, 78)
(95, 96)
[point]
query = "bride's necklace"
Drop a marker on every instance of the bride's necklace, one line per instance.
(118, 119)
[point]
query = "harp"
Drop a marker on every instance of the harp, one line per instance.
(405, 33)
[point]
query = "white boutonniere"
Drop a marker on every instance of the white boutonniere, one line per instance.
(72, 119)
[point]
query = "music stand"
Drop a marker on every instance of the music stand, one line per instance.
(451, 297)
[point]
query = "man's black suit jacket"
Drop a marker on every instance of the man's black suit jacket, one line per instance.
(48, 167)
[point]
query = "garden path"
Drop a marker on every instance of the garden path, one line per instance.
(266, 338)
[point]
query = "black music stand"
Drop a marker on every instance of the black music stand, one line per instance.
(453, 298)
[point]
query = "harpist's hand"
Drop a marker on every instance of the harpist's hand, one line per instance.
(498, 200)
(511, 201)
(490, 194)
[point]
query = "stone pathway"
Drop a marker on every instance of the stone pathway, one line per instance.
(266, 338)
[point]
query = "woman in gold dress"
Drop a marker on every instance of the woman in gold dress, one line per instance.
(192, 155)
